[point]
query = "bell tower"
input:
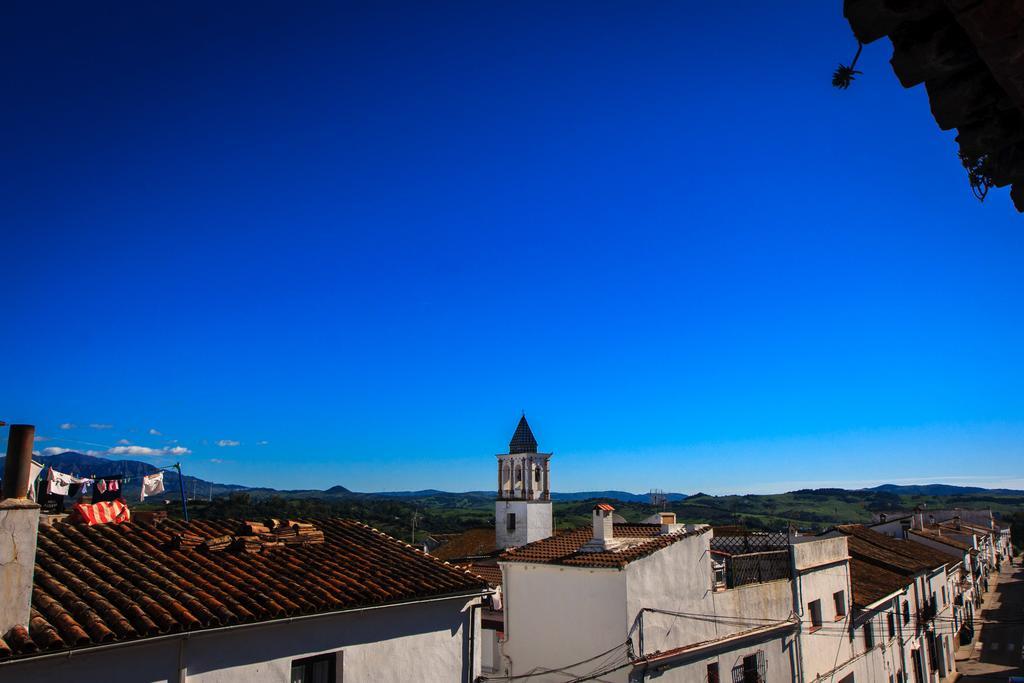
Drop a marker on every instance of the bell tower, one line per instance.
(522, 513)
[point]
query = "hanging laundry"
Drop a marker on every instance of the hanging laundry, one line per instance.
(57, 483)
(33, 473)
(108, 488)
(152, 484)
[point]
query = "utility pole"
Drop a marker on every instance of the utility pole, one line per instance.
(415, 517)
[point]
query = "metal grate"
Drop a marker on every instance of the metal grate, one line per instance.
(751, 669)
(757, 567)
(751, 543)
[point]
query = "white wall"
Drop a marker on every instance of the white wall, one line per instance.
(555, 616)
(425, 641)
(825, 648)
(533, 522)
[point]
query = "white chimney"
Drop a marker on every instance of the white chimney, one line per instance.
(604, 528)
(19, 524)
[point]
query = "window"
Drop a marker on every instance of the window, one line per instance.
(869, 635)
(815, 609)
(945, 600)
(906, 612)
(536, 475)
(754, 668)
(510, 522)
(839, 597)
(890, 620)
(848, 678)
(319, 669)
(713, 672)
(915, 657)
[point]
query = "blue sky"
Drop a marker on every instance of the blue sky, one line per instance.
(350, 243)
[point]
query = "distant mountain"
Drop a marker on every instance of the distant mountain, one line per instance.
(940, 490)
(81, 465)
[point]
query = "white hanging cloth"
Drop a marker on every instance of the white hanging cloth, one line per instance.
(57, 483)
(152, 484)
(33, 473)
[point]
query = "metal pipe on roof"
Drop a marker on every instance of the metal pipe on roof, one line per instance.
(19, 461)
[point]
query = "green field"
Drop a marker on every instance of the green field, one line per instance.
(807, 510)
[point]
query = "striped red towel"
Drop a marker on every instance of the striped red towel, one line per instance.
(107, 512)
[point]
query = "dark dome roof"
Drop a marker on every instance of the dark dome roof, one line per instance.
(522, 441)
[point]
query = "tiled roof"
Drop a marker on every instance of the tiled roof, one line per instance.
(964, 528)
(945, 539)
(487, 569)
(894, 554)
(125, 582)
(604, 506)
(565, 549)
(471, 543)
(523, 440)
(871, 583)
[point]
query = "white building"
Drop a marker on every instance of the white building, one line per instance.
(633, 602)
(523, 510)
(903, 625)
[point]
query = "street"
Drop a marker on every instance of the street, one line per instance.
(996, 653)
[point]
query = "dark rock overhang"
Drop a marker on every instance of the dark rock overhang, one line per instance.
(970, 56)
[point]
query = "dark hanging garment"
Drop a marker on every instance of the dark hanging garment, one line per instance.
(74, 490)
(109, 490)
(50, 503)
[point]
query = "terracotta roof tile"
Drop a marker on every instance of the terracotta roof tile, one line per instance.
(945, 539)
(471, 543)
(900, 555)
(880, 564)
(565, 549)
(871, 583)
(488, 570)
(125, 582)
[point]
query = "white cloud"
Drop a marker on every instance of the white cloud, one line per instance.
(262, 443)
(100, 425)
(42, 438)
(227, 443)
(53, 450)
(145, 450)
(154, 432)
(124, 442)
(216, 460)
(67, 425)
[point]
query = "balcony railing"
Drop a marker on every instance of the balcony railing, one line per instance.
(732, 571)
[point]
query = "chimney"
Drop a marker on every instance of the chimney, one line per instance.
(19, 524)
(668, 523)
(918, 519)
(604, 530)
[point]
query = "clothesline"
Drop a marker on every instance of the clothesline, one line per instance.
(60, 483)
